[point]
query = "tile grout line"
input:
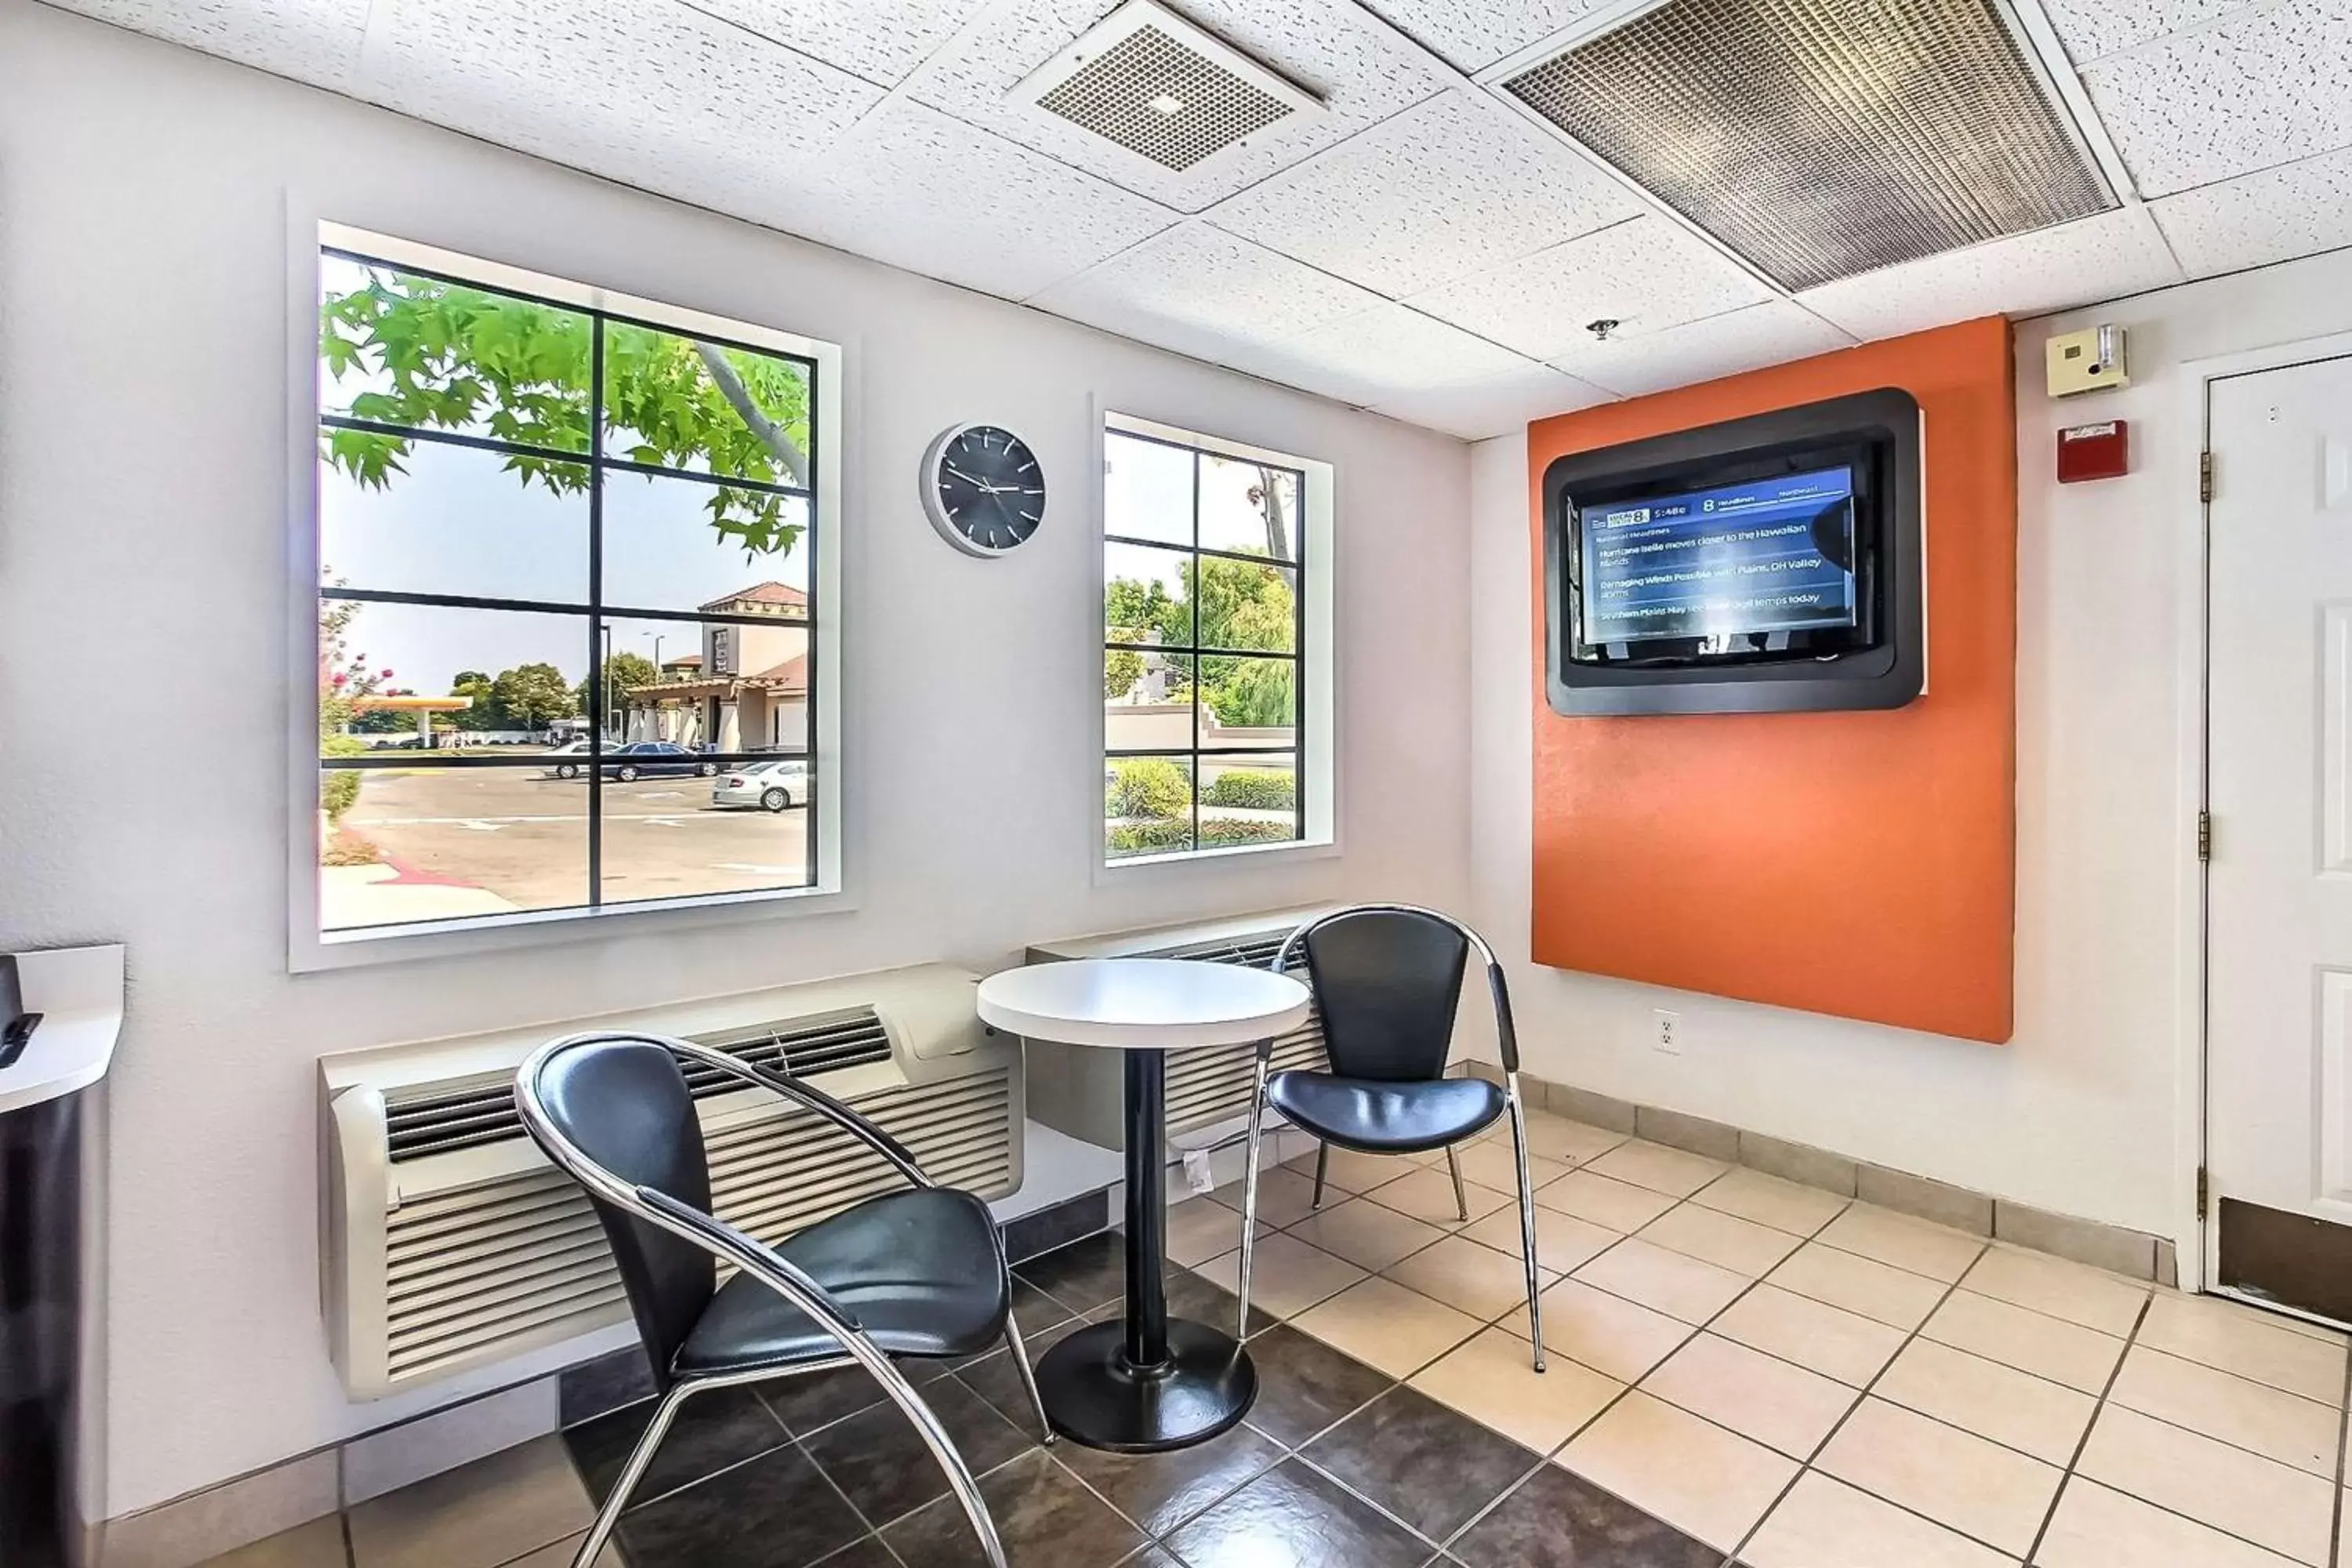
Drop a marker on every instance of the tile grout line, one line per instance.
(1862, 1396)
(2343, 1435)
(2098, 1408)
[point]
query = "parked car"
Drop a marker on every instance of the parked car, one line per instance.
(778, 785)
(654, 759)
(569, 760)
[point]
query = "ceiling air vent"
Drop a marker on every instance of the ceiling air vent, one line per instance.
(1162, 88)
(1825, 138)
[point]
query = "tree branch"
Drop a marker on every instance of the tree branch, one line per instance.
(1278, 535)
(739, 397)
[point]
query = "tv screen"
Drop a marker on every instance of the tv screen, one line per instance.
(1773, 555)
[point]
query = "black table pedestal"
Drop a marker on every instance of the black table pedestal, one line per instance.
(1146, 1384)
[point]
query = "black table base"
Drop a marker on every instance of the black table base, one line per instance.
(1146, 1384)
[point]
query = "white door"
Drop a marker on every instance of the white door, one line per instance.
(2279, 912)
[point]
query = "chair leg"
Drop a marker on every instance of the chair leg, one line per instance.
(640, 1457)
(961, 1480)
(1028, 1375)
(1322, 1163)
(1249, 1195)
(1527, 1218)
(1461, 1199)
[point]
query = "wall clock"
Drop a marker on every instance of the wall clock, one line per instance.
(983, 489)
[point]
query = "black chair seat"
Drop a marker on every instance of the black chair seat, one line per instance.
(1376, 1116)
(919, 1269)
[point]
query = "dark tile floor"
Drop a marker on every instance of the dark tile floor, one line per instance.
(1337, 1465)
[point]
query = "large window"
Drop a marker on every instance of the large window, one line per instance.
(1213, 648)
(573, 599)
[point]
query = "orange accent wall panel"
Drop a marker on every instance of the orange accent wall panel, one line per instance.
(1857, 864)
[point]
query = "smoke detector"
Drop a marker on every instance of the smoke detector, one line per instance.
(1820, 138)
(1163, 88)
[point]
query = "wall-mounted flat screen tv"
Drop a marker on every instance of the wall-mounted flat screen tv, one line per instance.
(1772, 562)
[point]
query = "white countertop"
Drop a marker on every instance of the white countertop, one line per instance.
(77, 991)
(1143, 1003)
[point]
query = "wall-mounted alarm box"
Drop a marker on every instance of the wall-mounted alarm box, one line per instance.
(2091, 360)
(2101, 451)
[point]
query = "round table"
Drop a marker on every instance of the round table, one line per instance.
(1145, 1383)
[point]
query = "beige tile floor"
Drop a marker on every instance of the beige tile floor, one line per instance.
(1793, 1379)
(1806, 1382)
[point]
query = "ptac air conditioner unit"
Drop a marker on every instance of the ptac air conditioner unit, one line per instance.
(450, 1242)
(1077, 1090)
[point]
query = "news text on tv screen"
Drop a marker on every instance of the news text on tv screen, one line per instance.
(1774, 555)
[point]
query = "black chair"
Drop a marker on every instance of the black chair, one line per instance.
(1388, 978)
(917, 1273)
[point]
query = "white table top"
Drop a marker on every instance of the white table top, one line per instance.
(1143, 1003)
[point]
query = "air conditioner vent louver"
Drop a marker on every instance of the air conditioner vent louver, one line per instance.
(1821, 139)
(1159, 87)
(443, 1120)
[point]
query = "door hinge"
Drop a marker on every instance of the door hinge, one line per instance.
(2205, 476)
(2204, 835)
(2204, 1191)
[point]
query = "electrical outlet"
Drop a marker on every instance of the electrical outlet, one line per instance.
(1666, 1031)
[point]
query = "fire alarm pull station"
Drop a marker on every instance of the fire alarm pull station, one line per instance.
(2101, 451)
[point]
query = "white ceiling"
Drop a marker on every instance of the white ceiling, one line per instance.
(1421, 247)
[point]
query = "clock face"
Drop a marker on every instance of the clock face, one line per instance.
(983, 488)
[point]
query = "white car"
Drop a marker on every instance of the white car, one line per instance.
(568, 761)
(772, 786)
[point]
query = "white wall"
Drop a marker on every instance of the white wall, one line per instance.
(144, 442)
(2078, 1112)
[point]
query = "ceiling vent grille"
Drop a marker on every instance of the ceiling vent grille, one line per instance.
(1821, 139)
(1153, 83)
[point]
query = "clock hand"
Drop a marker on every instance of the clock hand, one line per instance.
(967, 479)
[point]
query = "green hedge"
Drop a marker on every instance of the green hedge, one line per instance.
(340, 786)
(1150, 787)
(1255, 789)
(1159, 837)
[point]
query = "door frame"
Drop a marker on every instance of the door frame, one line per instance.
(2196, 1235)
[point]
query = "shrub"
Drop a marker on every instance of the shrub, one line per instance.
(1217, 831)
(1148, 838)
(348, 848)
(1255, 789)
(340, 786)
(1149, 787)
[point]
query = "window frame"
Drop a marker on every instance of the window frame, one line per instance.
(311, 947)
(1314, 748)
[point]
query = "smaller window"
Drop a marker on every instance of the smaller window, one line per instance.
(1216, 645)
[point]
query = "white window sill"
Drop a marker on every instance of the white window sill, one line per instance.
(1322, 848)
(458, 938)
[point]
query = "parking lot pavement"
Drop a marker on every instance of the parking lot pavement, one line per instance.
(525, 838)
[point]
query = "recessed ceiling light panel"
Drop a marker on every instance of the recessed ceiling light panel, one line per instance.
(1821, 139)
(1163, 88)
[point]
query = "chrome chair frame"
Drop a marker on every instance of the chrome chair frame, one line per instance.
(1507, 1040)
(761, 1262)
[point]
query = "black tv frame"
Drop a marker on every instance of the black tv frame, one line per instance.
(1882, 665)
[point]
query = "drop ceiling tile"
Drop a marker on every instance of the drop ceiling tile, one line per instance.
(881, 40)
(1458, 185)
(2091, 29)
(309, 40)
(1645, 274)
(656, 96)
(1494, 406)
(1383, 353)
(915, 189)
(1200, 291)
(1474, 36)
(1774, 332)
(2266, 86)
(2292, 210)
(1362, 70)
(2100, 258)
